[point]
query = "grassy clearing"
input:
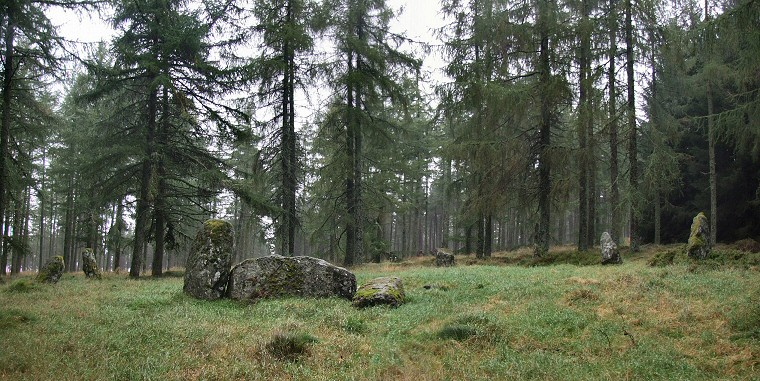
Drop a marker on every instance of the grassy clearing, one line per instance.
(479, 321)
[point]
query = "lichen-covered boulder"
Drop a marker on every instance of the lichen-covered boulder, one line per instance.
(444, 259)
(276, 276)
(380, 291)
(610, 253)
(208, 265)
(699, 238)
(52, 271)
(89, 264)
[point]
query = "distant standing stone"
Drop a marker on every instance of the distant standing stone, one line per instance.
(89, 264)
(276, 276)
(610, 253)
(380, 291)
(208, 265)
(444, 259)
(699, 238)
(52, 271)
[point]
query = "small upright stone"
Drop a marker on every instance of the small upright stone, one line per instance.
(208, 265)
(444, 259)
(699, 238)
(610, 253)
(380, 291)
(89, 264)
(52, 271)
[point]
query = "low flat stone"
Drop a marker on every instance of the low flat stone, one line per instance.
(443, 259)
(380, 291)
(277, 276)
(610, 253)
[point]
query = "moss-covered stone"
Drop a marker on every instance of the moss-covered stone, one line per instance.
(208, 264)
(380, 291)
(52, 271)
(277, 276)
(443, 259)
(90, 265)
(610, 253)
(699, 238)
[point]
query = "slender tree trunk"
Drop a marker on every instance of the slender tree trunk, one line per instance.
(351, 130)
(657, 217)
(17, 249)
(583, 116)
(5, 244)
(711, 152)
(613, 126)
(8, 72)
(481, 239)
(143, 203)
(633, 131)
(117, 245)
(68, 230)
(488, 236)
(42, 199)
(160, 202)
(544, 138)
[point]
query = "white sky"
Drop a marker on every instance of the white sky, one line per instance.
(418, 21)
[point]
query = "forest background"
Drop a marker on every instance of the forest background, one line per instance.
(314, 127)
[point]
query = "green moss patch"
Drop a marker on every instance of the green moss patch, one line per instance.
(10, 318)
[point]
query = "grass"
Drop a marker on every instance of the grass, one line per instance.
(499, 318)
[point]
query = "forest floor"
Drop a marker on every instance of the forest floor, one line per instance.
(507, 317)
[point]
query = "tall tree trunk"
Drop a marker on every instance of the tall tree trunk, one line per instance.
(8, 72)
(5, 244)
(42, 199)
(613, 126)
(143, 203)
(160, 202)
(583, 117)
(288, 149)
(713, 174)
(17, 251)
(488, 236)
(117, 245)
(481, 239)
(351, 130)
(633, 131)
(711, 151)
(544, 135)
(68, 229)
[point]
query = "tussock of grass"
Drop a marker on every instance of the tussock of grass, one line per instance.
(22, 285)
(290, 346)
(745, 318)
(458, 332)
(10, 318)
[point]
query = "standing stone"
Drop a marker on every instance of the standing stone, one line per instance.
(610, 253)
(699, 238)
(380, 291)
(89, 265)
(208, 265)
(52, 271)
(444, 259)
(276, 276)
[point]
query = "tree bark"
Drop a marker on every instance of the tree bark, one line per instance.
(544, 135)
(613, 126)
(143, 203)
(633, 131)
(8, 73)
